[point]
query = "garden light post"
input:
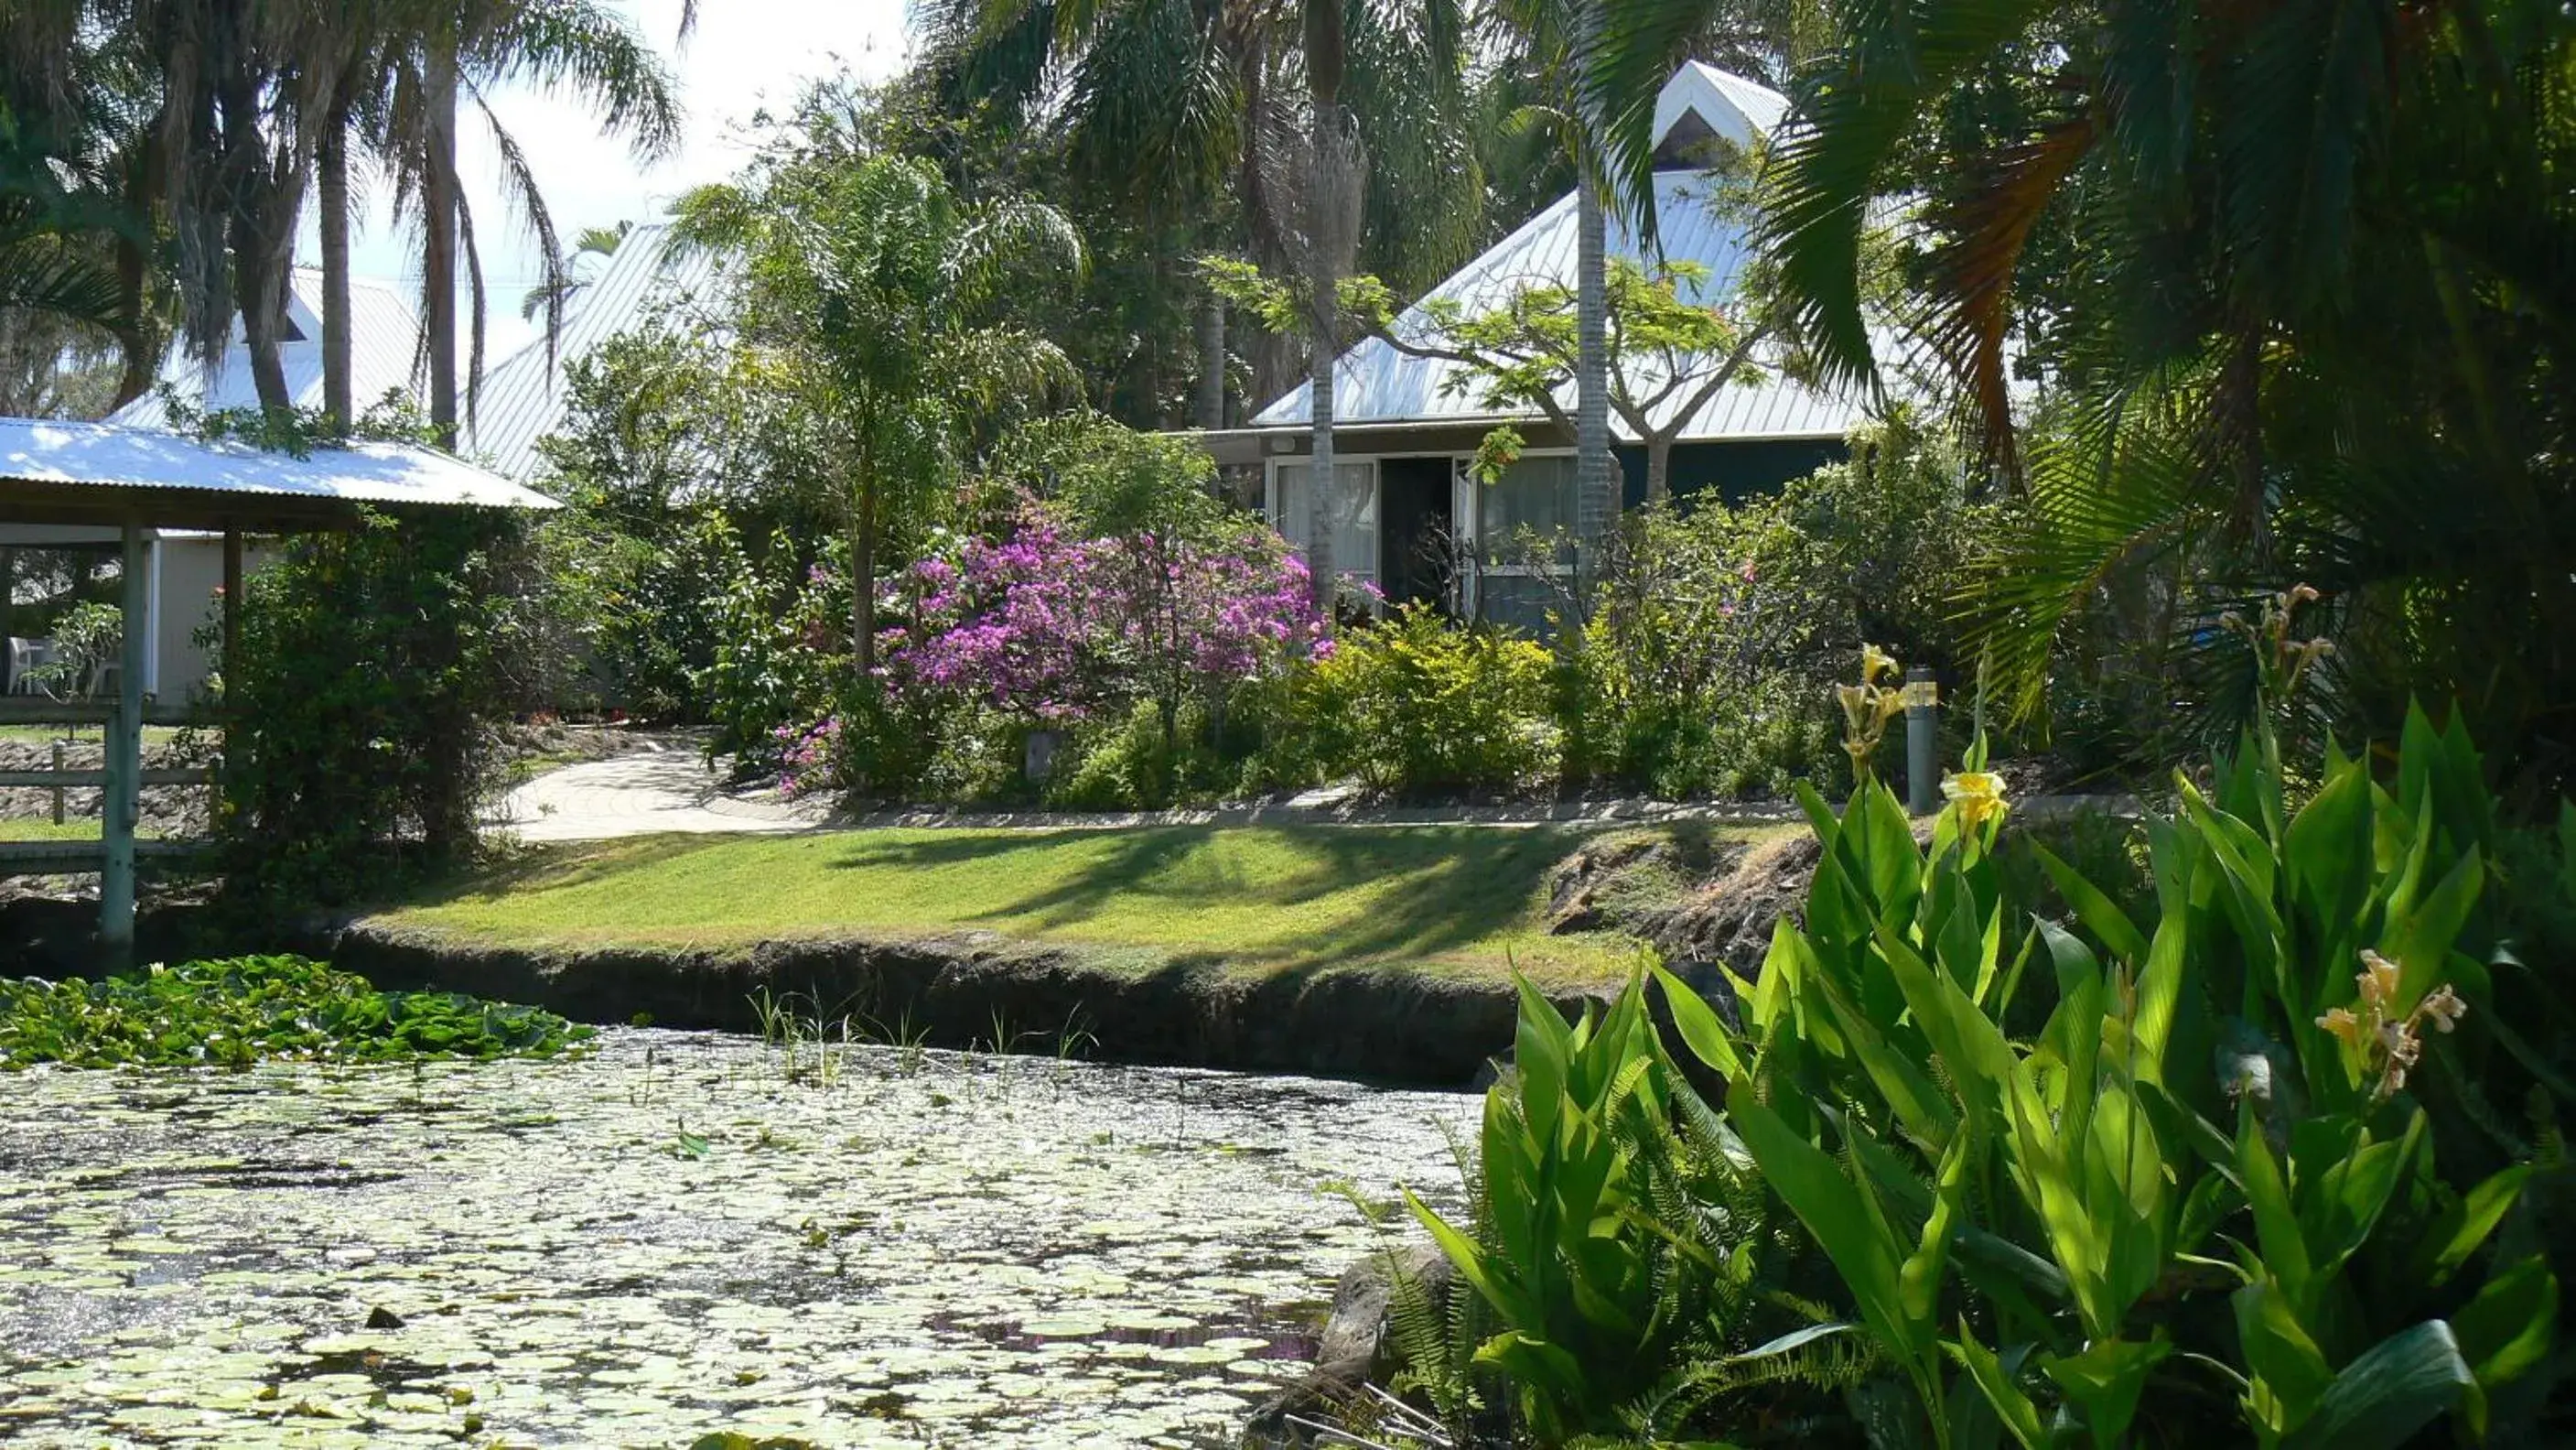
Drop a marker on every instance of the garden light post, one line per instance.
(1922, 740)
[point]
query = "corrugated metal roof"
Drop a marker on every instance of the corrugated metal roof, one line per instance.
(523, 397)
(384, 343)
(106, 455)
(1376, 384)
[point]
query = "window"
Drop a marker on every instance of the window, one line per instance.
(1355, 538)
(1514, 579)
(1534, 493)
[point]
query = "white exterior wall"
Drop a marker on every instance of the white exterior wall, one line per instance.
(185, 597)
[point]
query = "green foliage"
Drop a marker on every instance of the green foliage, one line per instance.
(87, 637)
(2213, 1168)
(235, 1012)
(1624, 1249)
(1717, 633)
(1413, 705)
(358, 718)
(2283, 334)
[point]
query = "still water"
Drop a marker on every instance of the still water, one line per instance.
(680, 1234)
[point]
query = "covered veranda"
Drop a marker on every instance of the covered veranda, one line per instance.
(95, 485)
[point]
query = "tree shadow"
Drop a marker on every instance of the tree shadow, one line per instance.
(1443, 888)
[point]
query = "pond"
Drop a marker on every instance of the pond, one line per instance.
(679, 1234)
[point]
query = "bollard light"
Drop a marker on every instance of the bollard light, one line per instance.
(1922, 741)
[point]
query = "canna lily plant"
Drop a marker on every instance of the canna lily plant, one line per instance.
(2170, 1195)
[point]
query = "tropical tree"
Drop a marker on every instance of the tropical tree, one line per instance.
(2294, 274)
(402, 71)
(1190, 107)
(571, 275)
(1668, 356)
(885, 303)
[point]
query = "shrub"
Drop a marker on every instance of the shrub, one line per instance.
(1633, 1266)
(1713, 635)
(359, 714)
(1417, 706)
(2209, 1197)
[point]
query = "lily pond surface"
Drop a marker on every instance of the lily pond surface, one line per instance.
(679, 1234)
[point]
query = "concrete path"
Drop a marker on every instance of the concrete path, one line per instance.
(662, 787)
(665, 785)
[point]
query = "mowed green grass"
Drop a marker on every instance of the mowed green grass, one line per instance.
(1431, 897)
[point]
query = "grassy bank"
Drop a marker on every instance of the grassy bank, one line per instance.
(1442, 898)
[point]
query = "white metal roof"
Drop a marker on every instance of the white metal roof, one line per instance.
(384, 346)
(105, 456)
(523, 397)
(1376, 384)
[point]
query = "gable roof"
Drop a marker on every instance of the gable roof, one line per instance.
(115, 465)
(384, 347)
(1374, 384)
(524, 395)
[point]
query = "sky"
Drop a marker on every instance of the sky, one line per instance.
(743, 55)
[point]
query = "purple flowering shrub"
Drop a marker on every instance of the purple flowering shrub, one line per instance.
(987, 637)
(1057, 629)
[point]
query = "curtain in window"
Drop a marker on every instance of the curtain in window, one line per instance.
(1355, 540)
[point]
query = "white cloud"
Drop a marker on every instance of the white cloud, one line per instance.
(744, 55)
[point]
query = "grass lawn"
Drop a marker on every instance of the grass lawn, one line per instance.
(1436, 897)
(42, 828)
(154, 736)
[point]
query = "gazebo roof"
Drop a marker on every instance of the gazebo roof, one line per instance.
(102, 474)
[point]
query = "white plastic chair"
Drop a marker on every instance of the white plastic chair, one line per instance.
(25, 657)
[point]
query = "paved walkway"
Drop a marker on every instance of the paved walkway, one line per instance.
(662, 787)
(666, 786)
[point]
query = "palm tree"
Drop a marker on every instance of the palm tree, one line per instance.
(1192, 106)
(2301, 279)
(401, 72)
(571, 276)
(1599, 65)
(889, 302)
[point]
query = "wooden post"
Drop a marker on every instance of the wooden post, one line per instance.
(8, 597)
(58, 790)
(124, 766)
(232, 603)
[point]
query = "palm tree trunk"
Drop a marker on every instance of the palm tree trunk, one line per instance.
(333, 163)
(1329, 188)
(1595, 472)
(863, 579)
(1323, 506)
(1211, 400)
(438, 230)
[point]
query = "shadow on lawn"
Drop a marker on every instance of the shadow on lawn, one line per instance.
(1444, 888)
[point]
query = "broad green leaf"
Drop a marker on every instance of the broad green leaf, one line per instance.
(1701, 1031)
(2457, 1231)
(2106, 1380)
(1830, 1205)
(2276, 1222)
(2511, 1324)
(2279, 1353)
(2014, 1409)
(2397, 1387)
(2419, 939)
(2099, 914)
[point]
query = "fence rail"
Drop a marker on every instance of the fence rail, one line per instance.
(49, 858)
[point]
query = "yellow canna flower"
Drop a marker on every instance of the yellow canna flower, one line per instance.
(1978, 796)
(2378, 982)
(2344, 1025)
(1875, 662)
(2444, 1007)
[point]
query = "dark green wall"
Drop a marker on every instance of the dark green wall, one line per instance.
(1735, 471)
